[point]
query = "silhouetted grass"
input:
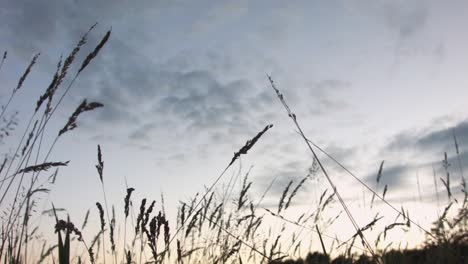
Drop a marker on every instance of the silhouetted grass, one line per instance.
(215, 226)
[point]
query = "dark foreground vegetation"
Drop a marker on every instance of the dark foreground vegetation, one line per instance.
(218, 225)
(451, 253)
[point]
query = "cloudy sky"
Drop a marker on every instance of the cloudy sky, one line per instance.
(184, 86)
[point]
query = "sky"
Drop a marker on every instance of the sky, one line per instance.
(184, 85)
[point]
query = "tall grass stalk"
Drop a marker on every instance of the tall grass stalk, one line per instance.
(293, 117)
(400, 212)
(457, 151)
(248, 145)
(34, 142)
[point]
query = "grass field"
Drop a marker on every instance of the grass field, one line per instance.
(217, 225)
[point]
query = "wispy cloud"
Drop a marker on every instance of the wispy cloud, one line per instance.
(406, 18)
(434, 140)
(327, 96)
(426, 149)
(394, 176)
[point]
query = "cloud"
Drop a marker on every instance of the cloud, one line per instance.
(32, 24)
(220, 14)
(394, 176)
(196, 100)
(431, 140)
(150, 101)
(138, 89)
(419, 144)
(29, 26)
(184, 96)
(341, 153)
(281, 176)
(326, 96)
(439, 52)
(143, 97)
(406, 18)
(201, 99)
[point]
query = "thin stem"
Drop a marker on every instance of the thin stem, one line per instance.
(293, 118)
(4, 108)
(368, 188)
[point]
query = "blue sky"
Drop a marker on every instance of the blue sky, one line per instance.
(184, 86)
